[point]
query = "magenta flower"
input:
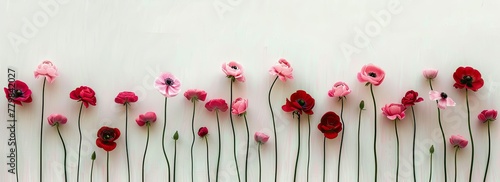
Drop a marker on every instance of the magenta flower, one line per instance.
(239, 106)
(18, 92)
(126, 97)
(233, 70)
(47, 69)
(203, 131)
(195, 95)
(487, 115)
(371, 74)
(394, 111)
(216, 104)
(261, 138)
(339, 89)
(146, 118)
(458, 141)
(55, 119)
(430, 73)
(168, 85)
(283, 70)
(442, 98)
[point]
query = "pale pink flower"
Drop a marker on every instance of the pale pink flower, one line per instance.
(339, 89)
(261, 138)
(168, 85)
(394, 111)
(283, 70)
(430, 73)
(442, 98)
(54, 119)
(47, 69)
(239, 106)
(233, 69)
(371, 74)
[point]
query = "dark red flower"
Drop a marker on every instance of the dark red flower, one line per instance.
(126, 97)
(203, 131)
(106, 137)
(330, 125)
(18, 92)
(84, 94)
(411, 97)
(299, 101)
(468, 77)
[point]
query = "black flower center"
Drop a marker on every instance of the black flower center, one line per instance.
(169, 81)
(444, 95)
(467, 80)
(17, 93)
(234, 67)
(301, 102)
(107, 135)
(372, 74)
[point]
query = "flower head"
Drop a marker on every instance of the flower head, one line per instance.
(283, 70)
(168, 85)
(299, 102)
(468, 77)
(371, 74)
(330, 125)
(106, 137)
(233, 70)
(195, 95)
(260, 137)
(458, 141)
(430, 73)
(394, 111)
(18, 92)
(216, 104)
(55, 119)
(487, 115)
(442, 98)
(84, 94)
(203, 131)
(239, 106)
(126, 97)
(149, 117)
(411, 97)
(339, 89)
(47, 69)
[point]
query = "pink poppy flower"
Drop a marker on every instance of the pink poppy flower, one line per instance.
(430, 73)
(126, 97)
(203, 131)
(458, 141)
(394, 111)
(168, 85)
(261, 138)
(442, 98)
(239, 106)
(339, 89)
(55, 119)
(234, 70)
(149, 117)
(487, 115)
(216, 104)
(371, 74)
(18, 92)
(283, 70)
(195, 94)
(47, 69)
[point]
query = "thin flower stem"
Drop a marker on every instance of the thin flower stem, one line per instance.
(248, 144)
(41, 128)
(163, 138)
(298, 148)
(91, 170)
(443, 136)
(308, 145)
(359, 129)
(397, 149)
(194, 138)
(208, 160)
(414, 136)
(232, 127)
(324, 158)
(375, 131)
(80, 143)
(126, 140)
(218, 156)
(341, 138)
(470, 134)
(107, 166)
(64, 148)
(430, 170)
(260, 164)
(275, 135)
(489, 151)
(145, 151)
(456, 150)
(175, 156)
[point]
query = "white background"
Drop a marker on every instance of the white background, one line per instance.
(114, 46)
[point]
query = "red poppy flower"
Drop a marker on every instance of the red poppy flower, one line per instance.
(299, 102)
(106, 137)
(18, 92)
(330, 125)
(411, 97)
(203, 131)
(468, 77)
(126, 97)
(84, 94)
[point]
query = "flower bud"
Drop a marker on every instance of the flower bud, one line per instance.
(176, 135)
(93, 156)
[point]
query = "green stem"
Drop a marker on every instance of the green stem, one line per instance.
(107, 166)
(298, 148)
(456, 150)
(275, 135)
(489, 151)
(248, 143)
(443, 136)
(175, 156)
(359, 129)
(470, 134)
(341, 138)
(208, 160)
(194, 138)
(126, 140)
(218, 156)
(64, 148)
(308, 145)
(430, 171)
(260, 164)
(80, 143)
(91, 170)
(145, 151)
(232, 127)
(397, 149)
(41, 129)
(414, 136)
(163, 138)
(324, 158)
(375, 131)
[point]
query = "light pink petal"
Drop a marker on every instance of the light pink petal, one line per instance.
(450, 102)
(442, 103)
(434, 95)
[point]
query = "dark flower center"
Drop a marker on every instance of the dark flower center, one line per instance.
(169, 81)
(301, 102)
(444, 95)
(17, 93)
(107, 135)
(466, 80)
(234, 67)
(372, 74)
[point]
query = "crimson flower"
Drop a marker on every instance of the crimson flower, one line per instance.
(126, 97)
(217, 104)
(195, 94)
(330, 125)
(203, 131)
(487, 115)
(411, 97)
(106, 137)
(468, 77)
(84, 94)
(299, 102)
(18, 92)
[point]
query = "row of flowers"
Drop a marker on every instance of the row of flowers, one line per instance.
(299, 103)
